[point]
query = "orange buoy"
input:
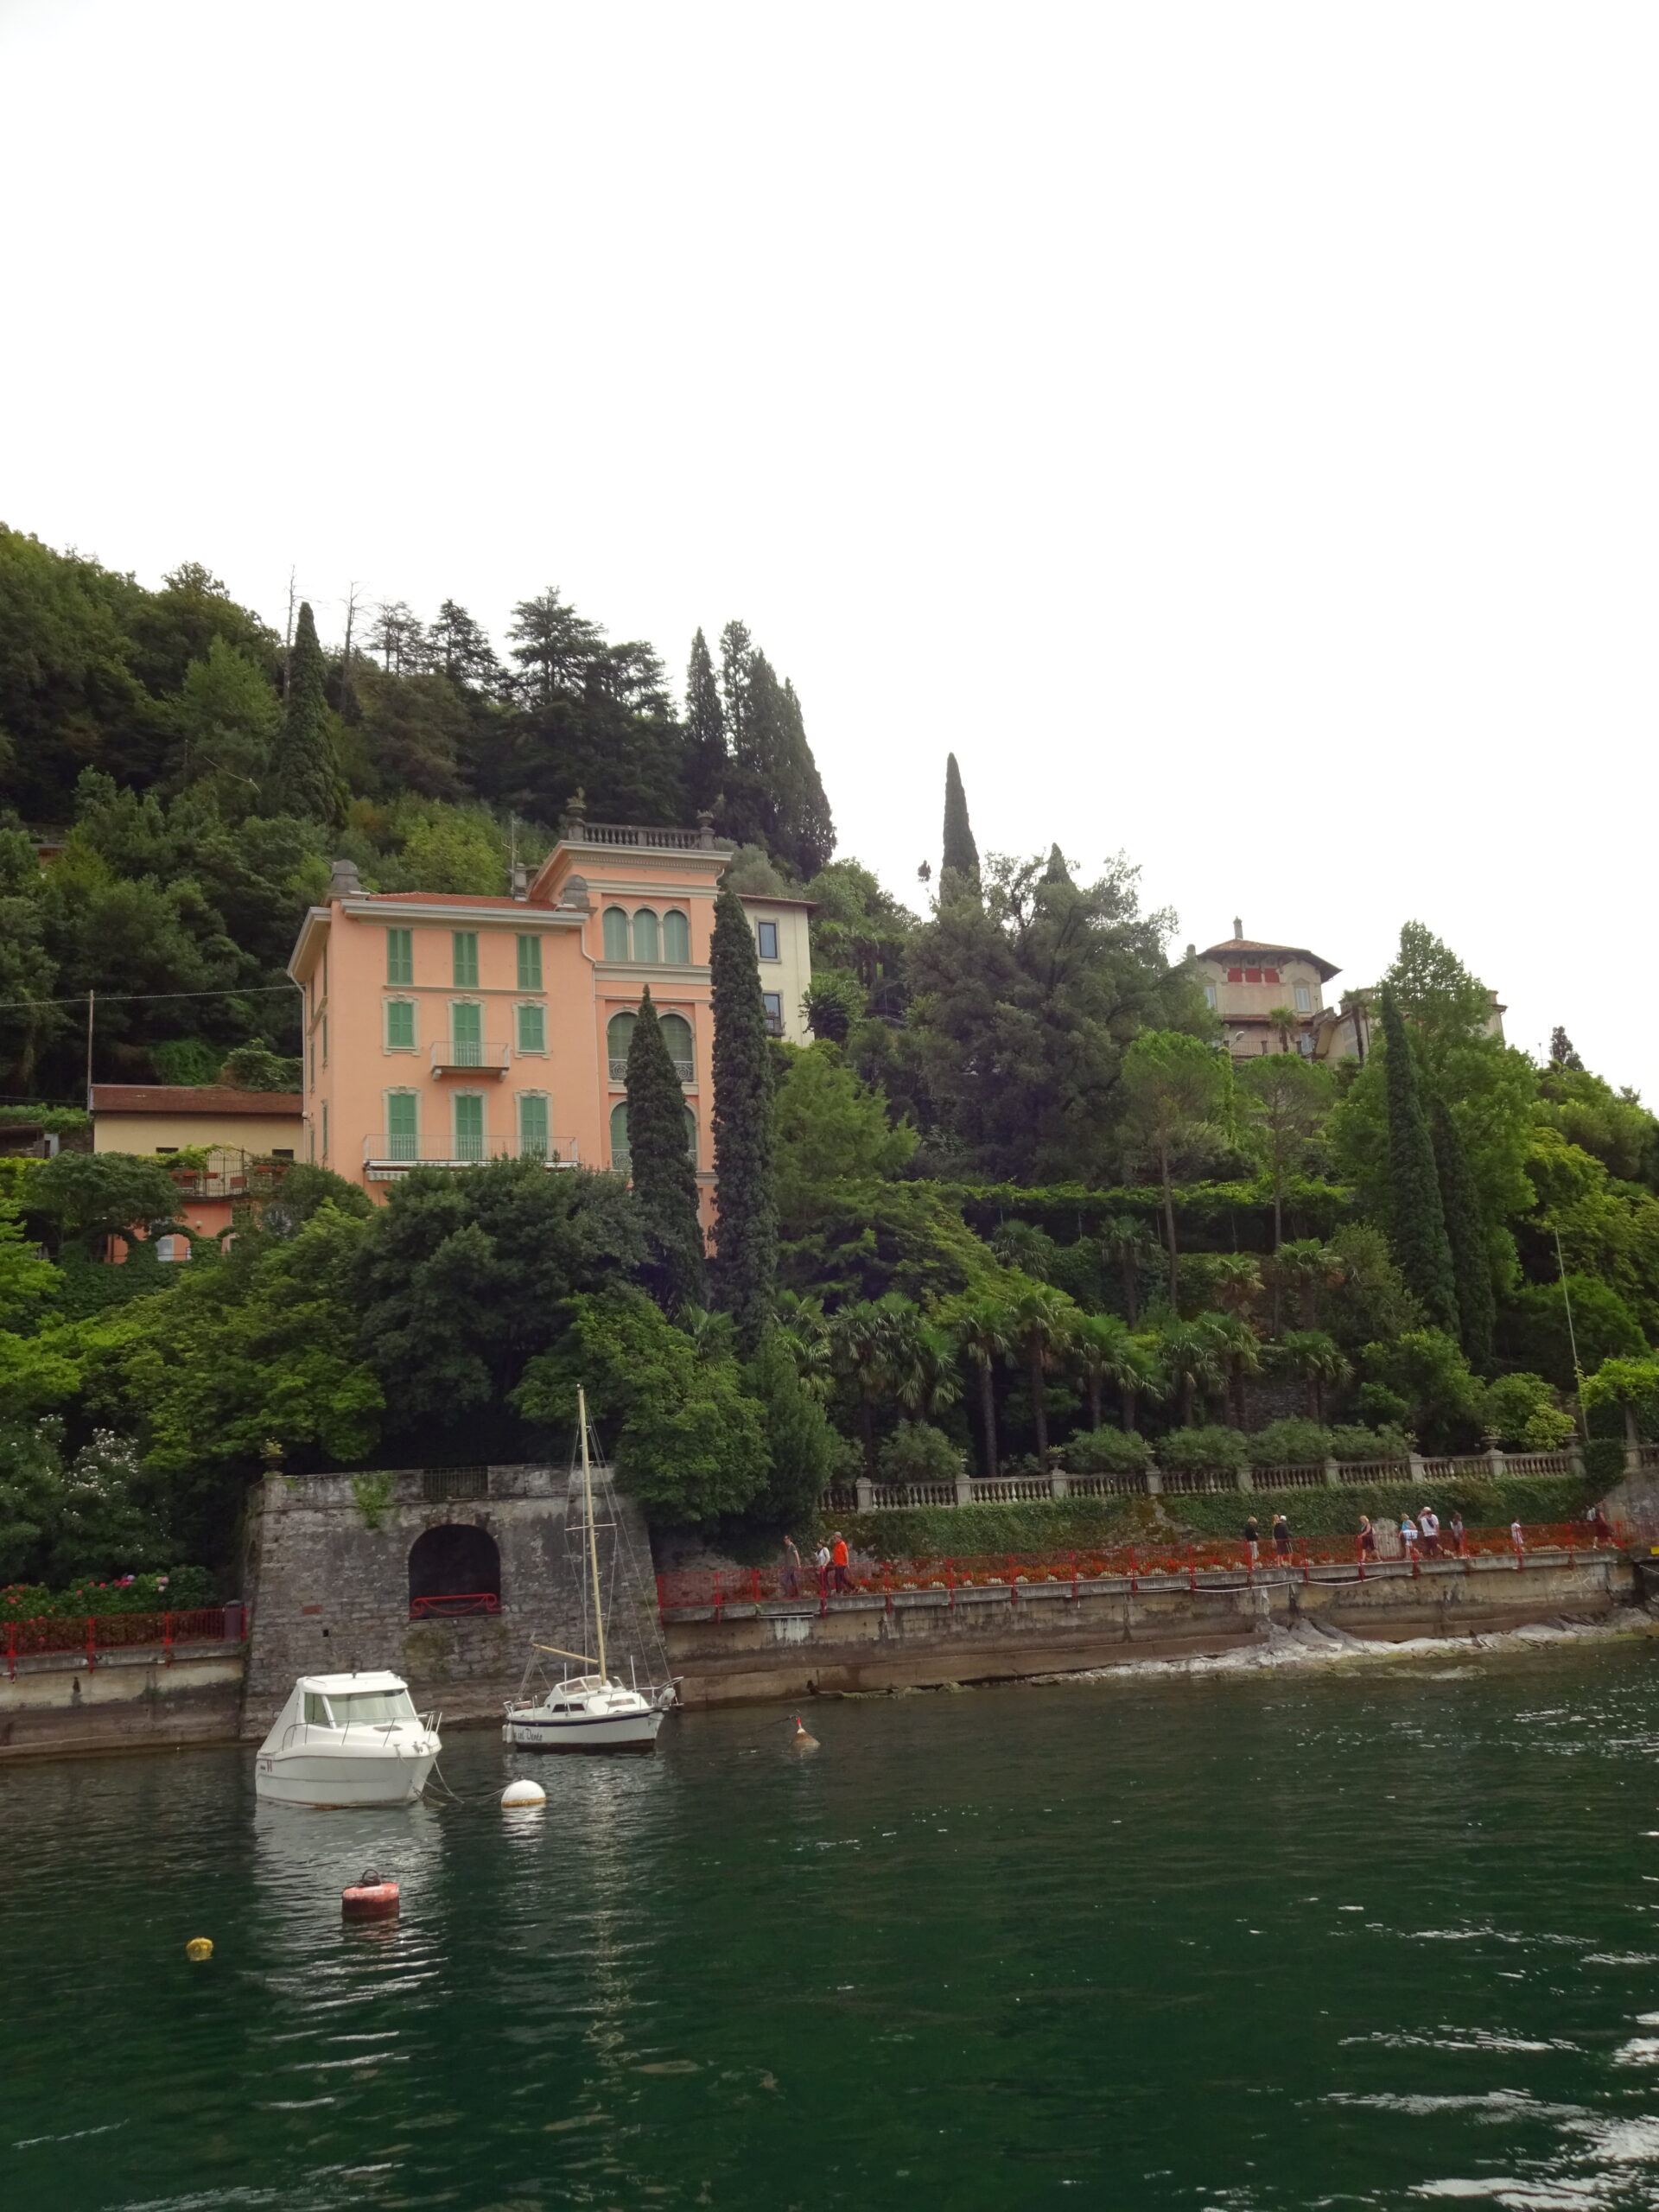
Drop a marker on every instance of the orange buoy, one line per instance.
(371, 1898)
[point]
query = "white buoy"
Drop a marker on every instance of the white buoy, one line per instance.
(521, 1796)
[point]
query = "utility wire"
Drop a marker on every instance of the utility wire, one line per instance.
(134, 998)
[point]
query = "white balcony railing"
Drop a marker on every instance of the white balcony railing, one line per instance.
(388, 1152)
(469, 1056)
(686, 1070)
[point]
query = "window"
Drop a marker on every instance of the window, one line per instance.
(401, 1140)
(469, 1125)
(619, 1137)
(677, 1035)
(317, 1714)
(282, 1152)
(1269, 975)
(324, 1128)
(172, 1247)
(400, 1024)
(532, 1029)
(529, 963)
(466, 1034)
(466, 959)
(400, 956)
(1304, 999)
(1234, 975)
(691, 1135)
(619, 1035)
(647, 940)
(162, 1150)
(325, 1040)
(1209, 996)
(1252, 974)
(616, 933)
(376, 1707)
(532, 1123)
(767, 938)
(774, 1002)
(676, 940)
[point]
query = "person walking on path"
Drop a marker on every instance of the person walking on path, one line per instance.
(1408, 1534)
(1429, 1522)
(1367, 1537)
(821, 1560)
(791, 1568)
(1517, 1536)
(1281, 1539)
(1454, 1529)
(1252, 1539)
(838, 1562)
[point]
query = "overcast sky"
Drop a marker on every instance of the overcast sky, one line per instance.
(1230, 428)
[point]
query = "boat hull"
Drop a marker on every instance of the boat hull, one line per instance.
(619, 1732)
(332, 1784)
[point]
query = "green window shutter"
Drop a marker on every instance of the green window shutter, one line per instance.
(532, 1029)
(533, 1124)
(616, 934)
(677, 939)
(400, 1024)
(466, 948)
(402, 1143)
(469, 1126)
(466, 1035)
(529, 963)
(647, 939)
(619, 1137)
(400, 956)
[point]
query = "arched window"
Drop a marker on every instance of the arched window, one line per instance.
(616, 933)
(691, 1135)
(450, 1566)
(172, 1247)
(647, 940)
(677, 939)
(677, 1035)
(619, 1035)
(619, 1137)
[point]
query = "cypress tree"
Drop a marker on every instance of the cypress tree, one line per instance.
(1465, 1230)
(306, 772)
(705, 726)
(665, 1181)
(745, 1232)
(1418, 1227)
(1057, 870)
(961, 853)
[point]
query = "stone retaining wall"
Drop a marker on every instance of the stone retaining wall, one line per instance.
(57, 1702)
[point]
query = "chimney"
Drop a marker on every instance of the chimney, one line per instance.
(520, 880)
(345, 883)
(1239, 926)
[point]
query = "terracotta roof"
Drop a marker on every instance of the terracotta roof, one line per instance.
(193, 1098)
(1232, 948)
(447, 898)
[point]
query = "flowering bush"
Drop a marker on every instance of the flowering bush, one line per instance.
(179, 1590)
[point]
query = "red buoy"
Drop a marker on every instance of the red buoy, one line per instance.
(371, 1898)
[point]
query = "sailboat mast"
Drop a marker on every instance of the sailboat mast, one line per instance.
(593, 1534)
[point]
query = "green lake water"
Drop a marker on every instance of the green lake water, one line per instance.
(1375, 1938)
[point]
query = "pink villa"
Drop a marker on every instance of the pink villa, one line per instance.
(450, 1028)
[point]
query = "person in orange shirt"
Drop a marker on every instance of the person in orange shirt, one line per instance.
(838, 1562)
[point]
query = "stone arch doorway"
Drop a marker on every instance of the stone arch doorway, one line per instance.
(454, 1568)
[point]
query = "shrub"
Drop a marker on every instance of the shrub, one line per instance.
(918, 1452)
(1106, 1452)
(179, 1590)
(1353, 1442)
(1521, 1412)
(1603, 1460)
(1196, 1451)
(1294, 1442)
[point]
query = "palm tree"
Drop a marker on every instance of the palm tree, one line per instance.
(1287, 1022)
(1241, 1349)
(984, 1329)
(863, 1341)
(1128, 1239)
(1318, 1360)
(1193, 1357)
(1097, 1346)
(921, 1370)
(1140, 1375)
(1237, 1280)
(1305, 1267)
(804, 1335)
(1041, 1320)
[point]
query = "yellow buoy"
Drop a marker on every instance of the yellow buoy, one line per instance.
(199, 1947)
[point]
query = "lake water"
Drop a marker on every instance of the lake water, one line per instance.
(1369, 1939)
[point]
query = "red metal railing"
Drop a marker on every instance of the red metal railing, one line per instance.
(454, 1606)
(120, 1631)
(1017, 1572)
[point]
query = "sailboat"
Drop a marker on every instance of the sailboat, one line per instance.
(588, 1712)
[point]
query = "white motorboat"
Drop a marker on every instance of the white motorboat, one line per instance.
(587, 1712)
(348, 1740)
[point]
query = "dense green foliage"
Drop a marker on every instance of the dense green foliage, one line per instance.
(746, 1268)
(660, 1166)
(960, 855)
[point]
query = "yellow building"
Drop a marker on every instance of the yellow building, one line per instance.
(1270, 997)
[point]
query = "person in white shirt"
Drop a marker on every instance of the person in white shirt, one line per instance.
(1429, 1522)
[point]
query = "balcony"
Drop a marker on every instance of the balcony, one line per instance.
(686, 1071)
(470, 1056)
(390, 1153)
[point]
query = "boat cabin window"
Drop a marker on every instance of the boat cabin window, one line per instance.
(316, 1710)
(377, 1706)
